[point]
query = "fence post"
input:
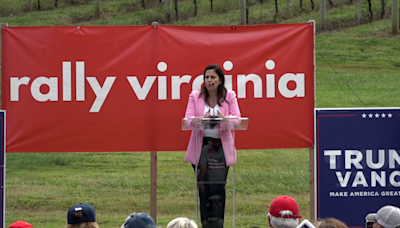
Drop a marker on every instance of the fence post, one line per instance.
(312, 186)
(311, 150)
(395, 17)
(168, 4)
(322, 9)
(96, 8)
(29, 6)
(153, 185)
(242, 11)
(359, 12)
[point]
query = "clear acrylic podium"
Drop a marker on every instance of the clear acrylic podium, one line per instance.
(214, 202)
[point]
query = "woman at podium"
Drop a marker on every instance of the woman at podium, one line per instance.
(213, 146)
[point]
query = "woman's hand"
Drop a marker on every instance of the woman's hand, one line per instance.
(200, 186)
(207, 114)
(220, 115)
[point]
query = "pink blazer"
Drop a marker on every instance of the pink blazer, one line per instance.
(195, 108)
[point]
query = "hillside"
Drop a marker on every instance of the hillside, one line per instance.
(340, 14)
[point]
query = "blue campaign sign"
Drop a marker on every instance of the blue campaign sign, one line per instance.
(357, 162)
(3, 166)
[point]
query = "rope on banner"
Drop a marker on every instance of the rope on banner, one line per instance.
(341, 78)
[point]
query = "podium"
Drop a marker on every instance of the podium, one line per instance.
(209, 155)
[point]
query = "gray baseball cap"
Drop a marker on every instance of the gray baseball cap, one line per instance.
(388, 217)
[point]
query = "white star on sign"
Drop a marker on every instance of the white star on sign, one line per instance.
(383, 115)
(370, 115)
(364, 115)
(390, 115)
(377, 115)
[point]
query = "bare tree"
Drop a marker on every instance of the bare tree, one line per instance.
(276, 10)
(195, 7)
(176, 10)
(301, 5)
(330, 3)
(211, 2)
(56, 3)
(395, 17)
(38, 4)
(247, 12)
(371, 14)
(383, 4)
(312, 4)
(143, 5)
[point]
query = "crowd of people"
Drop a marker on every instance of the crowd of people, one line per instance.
(83, 215)
(283, 213)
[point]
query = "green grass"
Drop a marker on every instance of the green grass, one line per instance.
(225, 12)
(366, 58)
(362, 60)
(41, 187)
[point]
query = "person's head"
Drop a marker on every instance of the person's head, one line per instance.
(82, 215)
(329, 223)
(139, 220)
(182, 223)
(284, 213)
(20, 224)
(386, 217)
(213, 74)
(216, 143)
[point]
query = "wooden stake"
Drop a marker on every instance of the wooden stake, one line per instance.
(153, 185)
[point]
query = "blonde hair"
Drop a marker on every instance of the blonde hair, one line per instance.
(182, 223)
(329, 223)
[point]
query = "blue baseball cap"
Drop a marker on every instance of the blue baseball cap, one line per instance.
(87, 211)
(139, 220)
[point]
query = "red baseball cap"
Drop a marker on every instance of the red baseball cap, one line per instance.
(284, 203)
(20, 224)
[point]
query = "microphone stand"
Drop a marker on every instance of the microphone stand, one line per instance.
(213, 120)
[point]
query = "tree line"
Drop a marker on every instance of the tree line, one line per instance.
(244, 10)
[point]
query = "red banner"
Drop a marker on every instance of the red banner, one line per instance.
(125, 88)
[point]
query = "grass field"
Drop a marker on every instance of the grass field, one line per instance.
(41, 187)
(356, 67)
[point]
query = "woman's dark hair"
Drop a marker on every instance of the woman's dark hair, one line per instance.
(221, 90)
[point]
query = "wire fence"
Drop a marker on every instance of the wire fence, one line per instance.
(340, 13)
